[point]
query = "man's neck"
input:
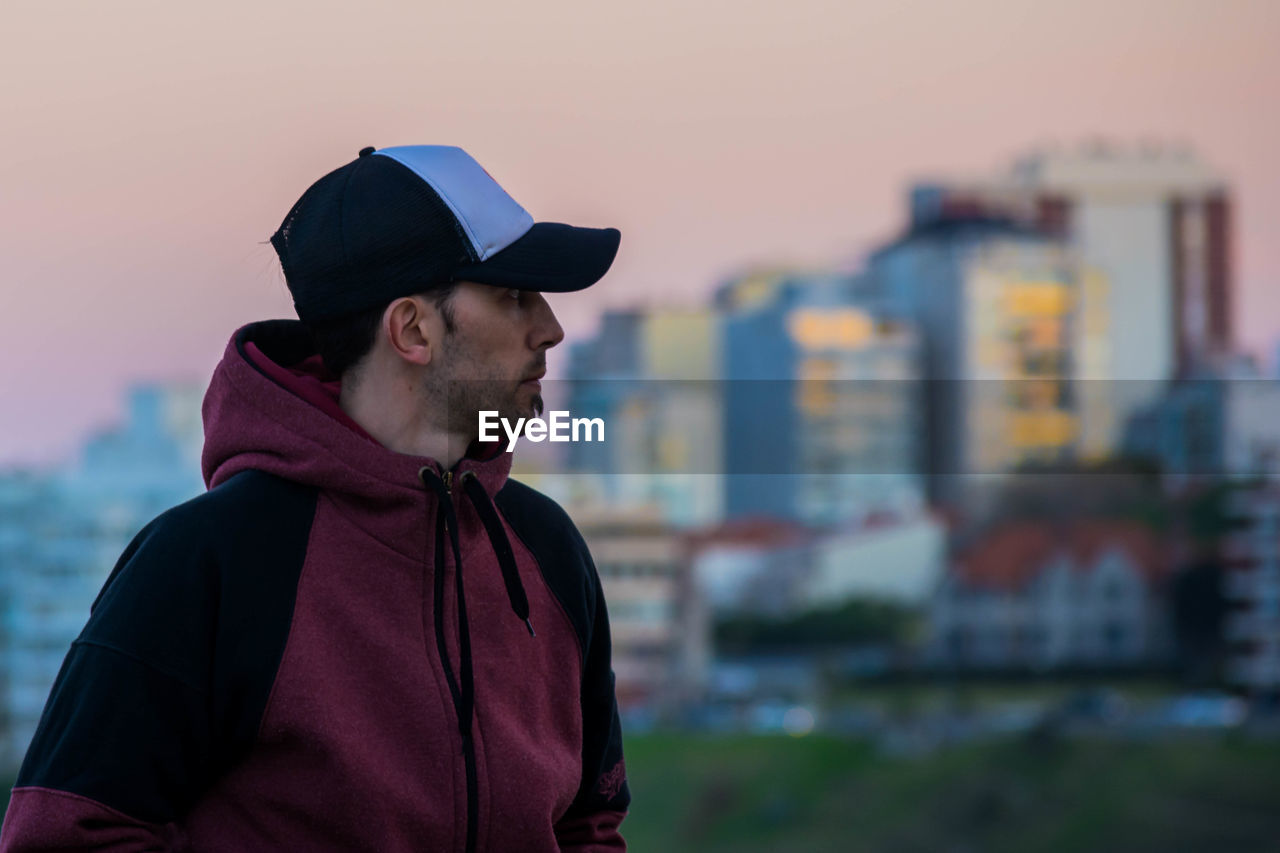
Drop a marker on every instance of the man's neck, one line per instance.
(394, 416)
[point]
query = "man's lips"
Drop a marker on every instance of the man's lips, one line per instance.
(534, 379)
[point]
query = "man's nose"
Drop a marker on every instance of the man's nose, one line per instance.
(546, 330)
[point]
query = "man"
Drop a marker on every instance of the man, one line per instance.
(364, 636)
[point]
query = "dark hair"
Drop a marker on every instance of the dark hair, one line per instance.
(344, 341)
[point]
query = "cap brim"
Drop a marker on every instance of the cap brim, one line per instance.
(550, 257)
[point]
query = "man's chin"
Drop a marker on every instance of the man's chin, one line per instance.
(523, 408)
(528, 404)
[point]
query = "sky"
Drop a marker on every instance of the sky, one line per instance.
(150, 148)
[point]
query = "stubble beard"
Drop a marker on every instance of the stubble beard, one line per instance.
(467, 399)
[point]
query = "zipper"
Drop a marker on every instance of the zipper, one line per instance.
(473, 790)
(468, 737)
(467, 734)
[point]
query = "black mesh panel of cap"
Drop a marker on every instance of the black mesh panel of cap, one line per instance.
(364, 234)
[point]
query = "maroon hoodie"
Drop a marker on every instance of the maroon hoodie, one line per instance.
(337, 647)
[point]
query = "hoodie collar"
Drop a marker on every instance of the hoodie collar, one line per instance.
(271, 405)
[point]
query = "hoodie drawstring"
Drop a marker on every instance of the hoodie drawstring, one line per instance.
(501, 546)
(447, 525)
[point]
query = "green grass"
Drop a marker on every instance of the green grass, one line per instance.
(813, 794)
(750, 794)
(913, 697)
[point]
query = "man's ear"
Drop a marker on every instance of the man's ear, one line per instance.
(410, 325)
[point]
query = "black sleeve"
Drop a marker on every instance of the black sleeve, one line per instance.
(604, 774)
(165, 686)
(566, 564)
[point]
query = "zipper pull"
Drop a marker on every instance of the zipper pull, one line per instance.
(448, 483)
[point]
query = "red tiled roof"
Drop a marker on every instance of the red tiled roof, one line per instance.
(750, 532)
(1011, 555)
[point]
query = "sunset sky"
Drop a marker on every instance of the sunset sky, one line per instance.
(150, 149)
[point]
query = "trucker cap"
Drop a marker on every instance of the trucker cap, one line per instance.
(403, 220)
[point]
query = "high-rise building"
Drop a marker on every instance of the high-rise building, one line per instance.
(659, 622)
(822, 415)
(1251, 560)
(1013, 323)
(1156, 222)
(652, 377)
(1218, 423)
(61, 532)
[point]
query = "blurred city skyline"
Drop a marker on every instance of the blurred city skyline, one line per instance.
(155, 149)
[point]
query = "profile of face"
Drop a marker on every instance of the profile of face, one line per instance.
(495, 354)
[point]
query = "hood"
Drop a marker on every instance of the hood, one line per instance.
(273, 406)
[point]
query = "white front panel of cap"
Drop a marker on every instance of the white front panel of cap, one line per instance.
(491, 218)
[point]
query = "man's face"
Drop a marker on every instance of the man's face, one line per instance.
(495, 355)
